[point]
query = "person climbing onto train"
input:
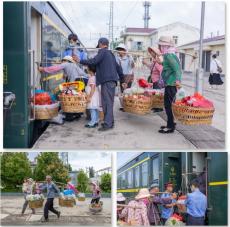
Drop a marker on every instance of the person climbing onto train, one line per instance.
(108, 73)
(52, 191)
(27, 189)
(155, 69)
(155, 200)
(196, 204)
(127, 64)
(171, 75)
(136, 212)
(96, 193)
(168, 209)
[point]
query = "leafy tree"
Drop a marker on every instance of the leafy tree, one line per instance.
(82, 180)
(15, 166)
(105, 185)
(91, 172)
(48, 163)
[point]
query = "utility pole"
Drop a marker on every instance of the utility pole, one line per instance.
(111, 25)
(146, 14)
(200, 71)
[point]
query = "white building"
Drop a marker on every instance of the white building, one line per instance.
(213, 45)
(139, 39)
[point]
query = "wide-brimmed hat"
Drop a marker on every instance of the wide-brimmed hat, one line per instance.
(166, 41)
(120, 197)
(155, 50)
(121, 46)
(143, 193)
(68, 58)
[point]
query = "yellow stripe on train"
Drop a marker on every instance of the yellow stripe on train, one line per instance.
(128, 190)
(217, 183)
(56, 77)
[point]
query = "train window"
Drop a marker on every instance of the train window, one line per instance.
(130, 178)
(155, 172)
(137, 176)
(123, 181)
(145, 174)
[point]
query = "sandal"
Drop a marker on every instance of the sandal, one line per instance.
(166, 130)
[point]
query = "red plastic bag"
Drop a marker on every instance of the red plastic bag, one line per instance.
(143, 83)
(43, 99)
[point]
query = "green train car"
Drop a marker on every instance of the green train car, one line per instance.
(32, 32)
(180, 168)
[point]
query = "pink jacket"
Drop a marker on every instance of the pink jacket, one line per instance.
(156, 70)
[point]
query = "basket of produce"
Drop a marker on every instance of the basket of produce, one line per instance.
(96, 207)
(45, 105)
(194, 110)
(181, 204)
(137, 104)
(81, 197)
(67, 198)
(176, 220)
(73, 102)
(35, 201)
(157, 97)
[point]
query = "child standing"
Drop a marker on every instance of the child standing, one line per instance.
(92, 98)
(96, 193)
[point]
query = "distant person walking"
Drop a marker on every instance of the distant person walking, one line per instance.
(108, 73)
(52, 190)
(27, 189)
(215, 71)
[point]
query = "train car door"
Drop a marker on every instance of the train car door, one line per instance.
(35, 56)
(217, 164)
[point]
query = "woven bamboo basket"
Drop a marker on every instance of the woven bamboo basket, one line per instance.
(73, 103)
(188, 115)
(66, 203)
(157, 101)
(96, 208)
(82, 199)
(136, 105)
(36, 204)
(46, 112)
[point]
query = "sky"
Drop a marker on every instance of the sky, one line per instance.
(123, 157)
(83, 159)
(89, 19)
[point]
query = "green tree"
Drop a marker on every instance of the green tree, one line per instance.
(106, 179)
(48, 163)
(15, 166)
(82, 181)
(91, 172)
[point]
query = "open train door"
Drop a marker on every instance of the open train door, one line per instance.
(217, 163)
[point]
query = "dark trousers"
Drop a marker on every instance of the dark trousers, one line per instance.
(25, 206)
(169, 98)
(107, 100)
(194, 220)
(95, 200)
(49, 206)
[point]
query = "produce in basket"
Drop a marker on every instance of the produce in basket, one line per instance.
(174, 221)
(35, 197)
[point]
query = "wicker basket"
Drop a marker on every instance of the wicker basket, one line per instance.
(36, 204)
(66, 203)
(82, 199)
(73, 103)
(97, 208)
(46, 112)
(136, 105)
(193, 115)
(157, 101)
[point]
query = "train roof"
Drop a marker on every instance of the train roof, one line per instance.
(135, 155)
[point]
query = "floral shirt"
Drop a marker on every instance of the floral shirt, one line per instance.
(138, 216)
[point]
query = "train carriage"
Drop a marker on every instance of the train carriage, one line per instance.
(180, 168)
(32, 32)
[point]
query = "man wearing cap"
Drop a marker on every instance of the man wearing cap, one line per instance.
(171, 76)
(196, 204)
(108, 73)
(153, 209)
(167, 209)
(52, 190)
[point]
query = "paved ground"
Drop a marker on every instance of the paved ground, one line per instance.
(80, 215)
(141, 132)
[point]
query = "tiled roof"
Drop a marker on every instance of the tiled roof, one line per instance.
(140, 30)
(207, 40)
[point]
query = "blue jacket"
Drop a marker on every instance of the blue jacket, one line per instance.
(69, 51)
(167, 211)
(52, 189)
(196, 203)
(107, 68)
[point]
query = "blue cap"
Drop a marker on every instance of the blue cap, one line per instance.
(103, 41)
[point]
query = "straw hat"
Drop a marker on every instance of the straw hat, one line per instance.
(120, 197)
(166, 41)
(68, 58)
(159, 57)
(143, 193)
(121, 46)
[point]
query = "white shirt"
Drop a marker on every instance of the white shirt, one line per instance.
(125, 63)
(213, 66)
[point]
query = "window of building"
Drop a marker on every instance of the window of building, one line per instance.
(155, 172)
(137, 176)
(130, 178)
(175, 38)
(144, 174)
(139, 45)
